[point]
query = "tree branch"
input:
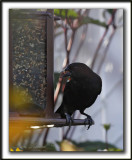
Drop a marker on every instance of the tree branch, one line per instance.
(102, 38)
(111, 21)
(106, 50)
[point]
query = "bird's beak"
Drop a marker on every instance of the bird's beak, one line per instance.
(65, 73)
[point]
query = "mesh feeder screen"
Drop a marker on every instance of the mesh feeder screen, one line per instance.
(28, 58)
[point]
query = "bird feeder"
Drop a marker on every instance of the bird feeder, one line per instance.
(31, 69)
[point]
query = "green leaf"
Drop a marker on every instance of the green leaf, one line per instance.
(87, 20)
(110, 10)
(114, 149)
(93, 146)
(70, 13)
(106, 126)
(49, 147)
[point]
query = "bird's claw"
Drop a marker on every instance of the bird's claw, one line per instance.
(88, 121)
(69, 120)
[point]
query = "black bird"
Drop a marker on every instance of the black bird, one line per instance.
(80, 92)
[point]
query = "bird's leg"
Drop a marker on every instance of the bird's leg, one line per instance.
(88, 119)
(69, 120)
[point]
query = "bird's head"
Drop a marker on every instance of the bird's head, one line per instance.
(75, 70)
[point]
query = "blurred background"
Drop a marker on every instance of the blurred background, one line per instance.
(96, 39)
(93, 37)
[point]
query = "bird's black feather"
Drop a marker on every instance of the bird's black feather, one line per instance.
(81, 91)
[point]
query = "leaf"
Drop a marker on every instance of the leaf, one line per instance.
(93, 146)
(87, 20)
(49, 147)
(70, 13)
(107, 11)
(115, 149)
(106, 126)
(110, 10)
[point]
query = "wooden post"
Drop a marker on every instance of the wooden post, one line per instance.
(49, 111)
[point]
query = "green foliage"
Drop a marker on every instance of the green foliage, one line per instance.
(110, 10)
(90, 146)
(70, 13)
(106, 126)
(93, 146)
(87, 20)
(115, 149)
(71, 145)
(49, 147)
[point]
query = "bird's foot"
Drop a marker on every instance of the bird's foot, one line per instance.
(89, 121)
(69, 120)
